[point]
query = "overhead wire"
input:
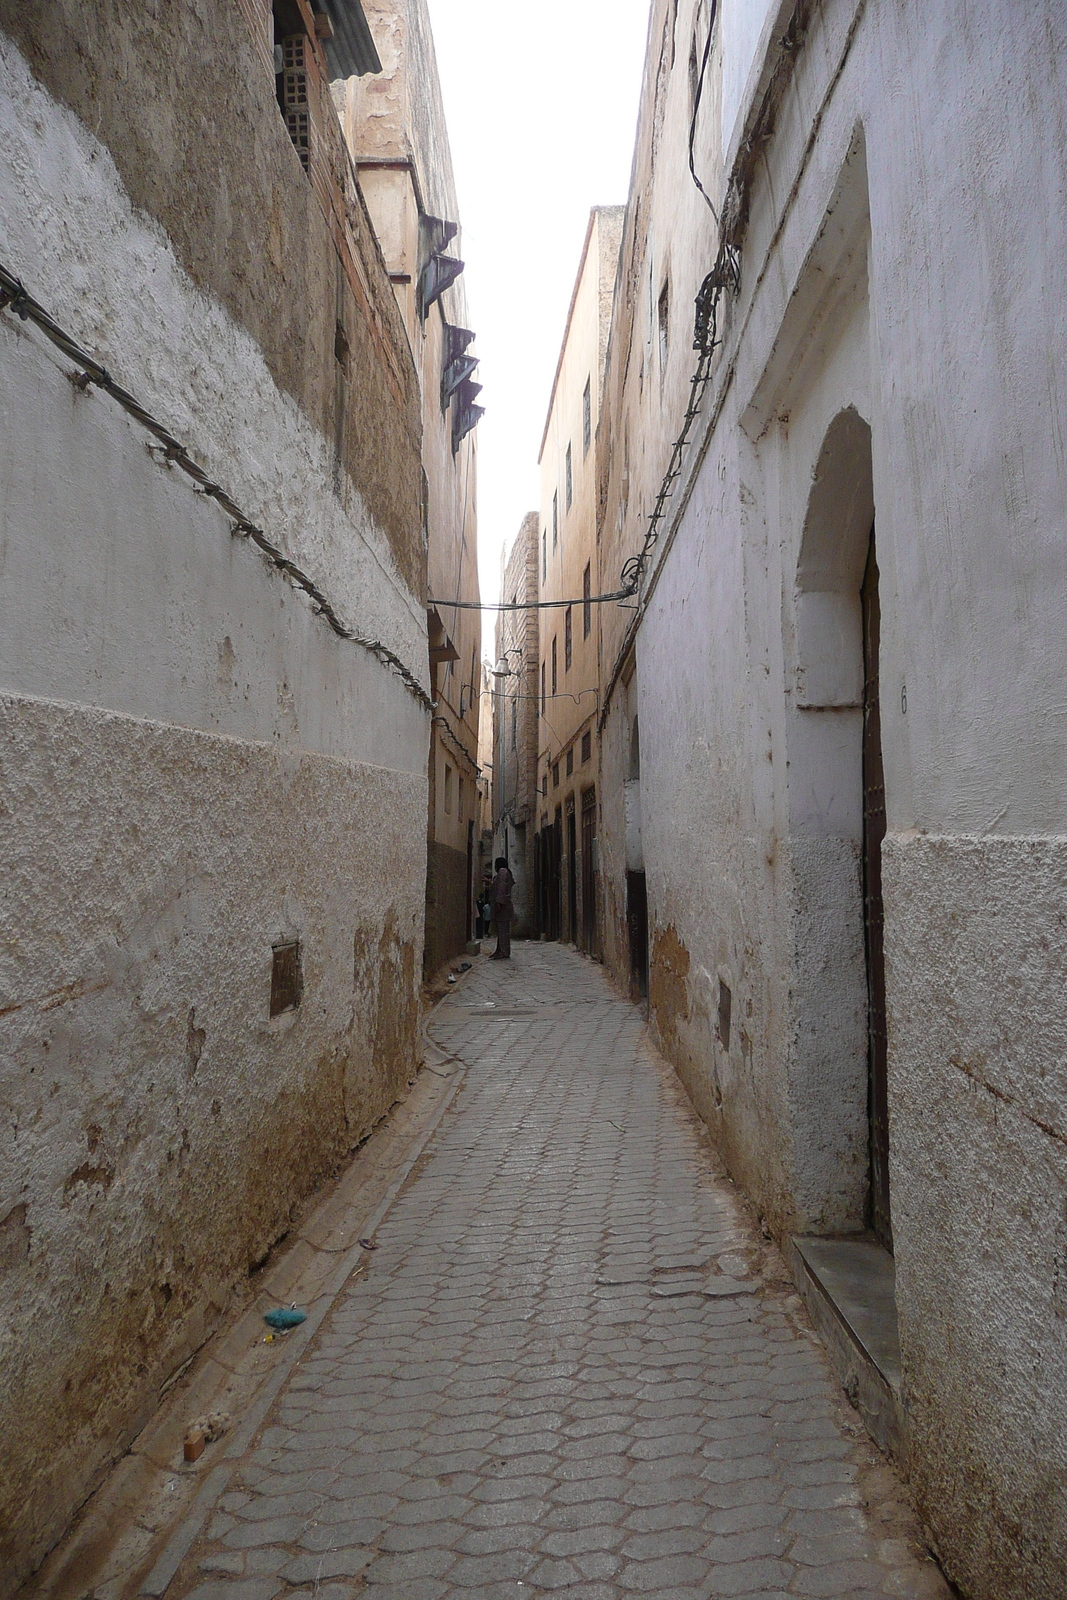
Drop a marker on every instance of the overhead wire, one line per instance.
(725, 274)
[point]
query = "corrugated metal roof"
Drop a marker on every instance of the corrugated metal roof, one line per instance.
(351, 52)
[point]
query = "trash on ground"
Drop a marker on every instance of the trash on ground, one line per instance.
(368, 1244)
(204, 1431)
(283, 1317)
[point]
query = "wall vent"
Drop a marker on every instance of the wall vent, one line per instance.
(725, 1007)
(286, 978)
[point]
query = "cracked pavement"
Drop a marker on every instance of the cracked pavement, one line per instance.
(573, 1366)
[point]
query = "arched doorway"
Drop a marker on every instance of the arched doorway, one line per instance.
(837, 823)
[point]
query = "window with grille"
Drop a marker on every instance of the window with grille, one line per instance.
(555, 679)
(568, 640)
(514, 724)
(587, 747)
(570, 479)
(587, 418)
(544, 785)
(587, 600)
(542, 688)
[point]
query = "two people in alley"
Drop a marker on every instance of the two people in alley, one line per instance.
(502, 908)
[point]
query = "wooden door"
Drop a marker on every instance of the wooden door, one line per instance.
(874, 827)
(637, 923)
(588, 874)
(469, 913)
(572, 875)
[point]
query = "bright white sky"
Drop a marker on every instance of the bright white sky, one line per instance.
(541, 101)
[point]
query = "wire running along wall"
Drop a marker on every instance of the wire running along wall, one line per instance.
(15, 298)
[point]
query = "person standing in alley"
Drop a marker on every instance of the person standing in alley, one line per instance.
(503, 883)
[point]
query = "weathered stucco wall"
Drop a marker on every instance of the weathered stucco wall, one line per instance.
(201, 149)
(161, 1125)
(194, 767)
(977, 956)
(446, 901)
(396, 130)
(516, 706)
(888, 275)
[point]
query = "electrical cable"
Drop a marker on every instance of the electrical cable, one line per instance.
(725, 274)
(696, 109)
(14, 297)
(535, 605)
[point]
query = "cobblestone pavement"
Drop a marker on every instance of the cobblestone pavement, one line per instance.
(531, 1389)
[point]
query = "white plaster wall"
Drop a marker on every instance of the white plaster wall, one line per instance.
(160, 1127)
(748, 839)
(120, 585)
(183, 357)
(194, 768)
(742, 28)
(976, 944)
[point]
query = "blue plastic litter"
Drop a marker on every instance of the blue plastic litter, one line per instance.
(283, 1318)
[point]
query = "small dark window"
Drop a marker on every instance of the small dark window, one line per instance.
(568, 639)
(555, 774)
(555, 519)
(570, 761)
(664, 324)
(544, 784)
(587, 747)
(725, 1007)
(514, 724)
(542, 688)
(587, 418)
(555, 679)
(570, 479)
(286, 978)
(587, 601)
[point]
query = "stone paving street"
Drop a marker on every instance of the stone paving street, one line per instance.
(572, 1365)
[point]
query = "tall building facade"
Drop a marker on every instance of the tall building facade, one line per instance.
(395, 128)
(569, 578)
(831, 755)
(215, 702)
(515, 722)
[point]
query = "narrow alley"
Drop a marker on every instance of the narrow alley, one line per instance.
(593, 476)
(572, 1364)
